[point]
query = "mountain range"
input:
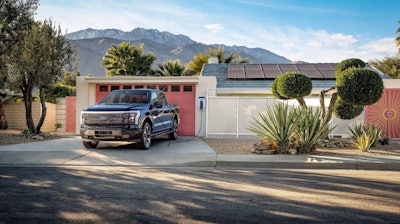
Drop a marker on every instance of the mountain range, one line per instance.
(92, 45)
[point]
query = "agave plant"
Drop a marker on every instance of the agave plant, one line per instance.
(310, 128)
(277, 125)
(362, 130)
(363, 142)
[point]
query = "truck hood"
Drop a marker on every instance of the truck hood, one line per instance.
(116, 107)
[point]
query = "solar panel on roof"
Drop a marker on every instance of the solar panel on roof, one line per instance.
(235, 67)
(252, 67)
(270, 67)
(312, 74)
(271, 74)
(325, 66)
(235, 74)
(254, 74)
(305, 67)
(288, 67)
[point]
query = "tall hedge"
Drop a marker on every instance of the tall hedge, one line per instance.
(346, 111)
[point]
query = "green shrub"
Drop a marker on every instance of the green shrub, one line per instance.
(277, 125)
(359, 86)
(293, 85)
(349, 63)
(346, 111)
(310, 128)
(58, 91)
(363, 142)
(274, 88)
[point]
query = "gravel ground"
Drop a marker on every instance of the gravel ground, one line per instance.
(231, 146)
(243, 147)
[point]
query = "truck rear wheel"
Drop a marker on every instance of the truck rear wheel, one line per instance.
(145, 139)
(90, 145)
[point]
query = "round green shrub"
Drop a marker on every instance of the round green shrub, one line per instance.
(293, 85)
(274, 89)
(349, 63)
(346, 111)
(359, 86)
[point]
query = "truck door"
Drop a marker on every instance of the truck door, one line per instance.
(156, 114)
(165, 112)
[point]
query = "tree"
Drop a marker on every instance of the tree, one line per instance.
(292, 85)
(126, 59)
(389, 66)
(37, 62)
(15, 16)
(171, 68)
(200, 59)
(355, 85)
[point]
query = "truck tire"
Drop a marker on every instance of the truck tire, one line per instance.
(174, 132)
(145, 139)
(90, 145)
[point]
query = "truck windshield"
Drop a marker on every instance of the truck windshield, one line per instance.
(126, 97)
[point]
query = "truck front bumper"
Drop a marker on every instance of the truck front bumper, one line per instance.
(109, 134)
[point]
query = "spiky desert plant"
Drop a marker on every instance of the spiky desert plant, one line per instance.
(277, 124)
(363, 142)
(370, 130)
(310, 128)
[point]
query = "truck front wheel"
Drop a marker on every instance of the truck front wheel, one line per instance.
(145, 139)
(90, 145)
(174, 132)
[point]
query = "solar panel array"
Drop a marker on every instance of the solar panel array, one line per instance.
(271, 71)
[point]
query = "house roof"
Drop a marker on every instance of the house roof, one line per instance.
(262, 75)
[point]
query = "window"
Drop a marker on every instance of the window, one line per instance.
(187, 88)
(139, 87)
(151, 87)
(163, 99)
(126, 87)
(164, 88)
(103, 88)
(114, 88)
(154, 97)
(175, 88)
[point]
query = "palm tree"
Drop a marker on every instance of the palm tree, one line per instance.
(126, 59)
(233, 58)
(199, 60)
(171, 68)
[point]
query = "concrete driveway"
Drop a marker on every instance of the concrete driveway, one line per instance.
(70, 151)
(184, 152)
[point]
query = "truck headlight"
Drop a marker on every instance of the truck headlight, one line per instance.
(133, 118)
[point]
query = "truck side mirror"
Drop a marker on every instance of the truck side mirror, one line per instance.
(158, 104)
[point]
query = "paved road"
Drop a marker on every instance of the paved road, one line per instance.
(196, 195)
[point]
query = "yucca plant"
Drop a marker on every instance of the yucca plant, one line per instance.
(277, 125)
(310, 128)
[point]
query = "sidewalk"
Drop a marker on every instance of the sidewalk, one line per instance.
(185, 152)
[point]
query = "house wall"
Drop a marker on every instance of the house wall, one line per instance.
(15, 116)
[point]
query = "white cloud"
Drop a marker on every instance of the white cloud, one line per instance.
(214, 28)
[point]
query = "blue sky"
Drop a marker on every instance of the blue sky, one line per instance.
(300, 30)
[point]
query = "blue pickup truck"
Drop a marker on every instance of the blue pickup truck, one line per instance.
(129, 115)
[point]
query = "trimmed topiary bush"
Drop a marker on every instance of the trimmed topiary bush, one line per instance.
(274, 88)
(346, 111)
(349, 63)
(293, 85)
(359, 86)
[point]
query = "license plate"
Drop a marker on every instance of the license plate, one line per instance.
(103, 132)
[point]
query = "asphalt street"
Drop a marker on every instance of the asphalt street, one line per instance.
(197, 195)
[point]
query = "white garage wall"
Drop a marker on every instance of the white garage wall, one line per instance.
(231, 116)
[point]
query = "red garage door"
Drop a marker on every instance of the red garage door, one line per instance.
(182, 95)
